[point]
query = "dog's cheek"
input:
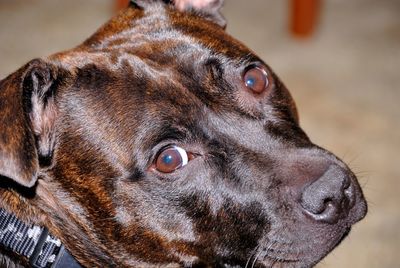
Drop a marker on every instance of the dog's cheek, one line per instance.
(146, 204)
(233, 229)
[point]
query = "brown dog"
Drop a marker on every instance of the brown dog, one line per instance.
(162, 141)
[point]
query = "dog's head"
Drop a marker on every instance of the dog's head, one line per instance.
(163, 140)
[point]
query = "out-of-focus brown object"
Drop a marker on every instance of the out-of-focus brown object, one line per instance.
(304, 17)
(120, 4)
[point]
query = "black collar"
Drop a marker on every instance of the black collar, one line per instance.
(34, 242)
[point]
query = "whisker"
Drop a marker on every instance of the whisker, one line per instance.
(251, 256)
(265, 253)
(256, 258)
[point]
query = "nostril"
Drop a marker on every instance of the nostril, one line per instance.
(330, 197)
(329, 214)
(329, 210)
(327, 203)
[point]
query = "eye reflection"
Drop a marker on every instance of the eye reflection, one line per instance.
(256, 79)
(171, 159)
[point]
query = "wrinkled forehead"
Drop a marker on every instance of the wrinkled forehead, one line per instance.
(160, 36)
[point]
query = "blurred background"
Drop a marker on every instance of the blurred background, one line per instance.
(345, 78)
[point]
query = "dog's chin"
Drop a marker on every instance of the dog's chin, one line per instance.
(289, 255)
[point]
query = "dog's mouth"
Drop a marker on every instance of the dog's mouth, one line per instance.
(275, 257)
(264, 262)
(276, 260)
(288, 255)
(267, 256)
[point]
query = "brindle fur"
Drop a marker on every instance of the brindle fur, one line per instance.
(83, 126)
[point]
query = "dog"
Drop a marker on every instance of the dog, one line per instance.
(161, 141)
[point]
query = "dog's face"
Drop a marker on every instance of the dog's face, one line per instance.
(163, 140)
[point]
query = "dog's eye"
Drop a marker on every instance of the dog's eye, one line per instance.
(256, 79)
(171, 159)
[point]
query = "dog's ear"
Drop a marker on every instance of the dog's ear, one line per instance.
(211, 9)
(27, 115)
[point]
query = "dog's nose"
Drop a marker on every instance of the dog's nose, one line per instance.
(330, 197)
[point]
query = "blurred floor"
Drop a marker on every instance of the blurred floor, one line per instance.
(346, 81)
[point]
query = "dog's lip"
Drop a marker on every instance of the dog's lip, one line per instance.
(273, 256)
(271, 261)
(266, 261)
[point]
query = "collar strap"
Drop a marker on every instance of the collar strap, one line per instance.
(33, 242)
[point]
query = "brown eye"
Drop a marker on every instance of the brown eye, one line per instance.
(256, 79)
(171, 159)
